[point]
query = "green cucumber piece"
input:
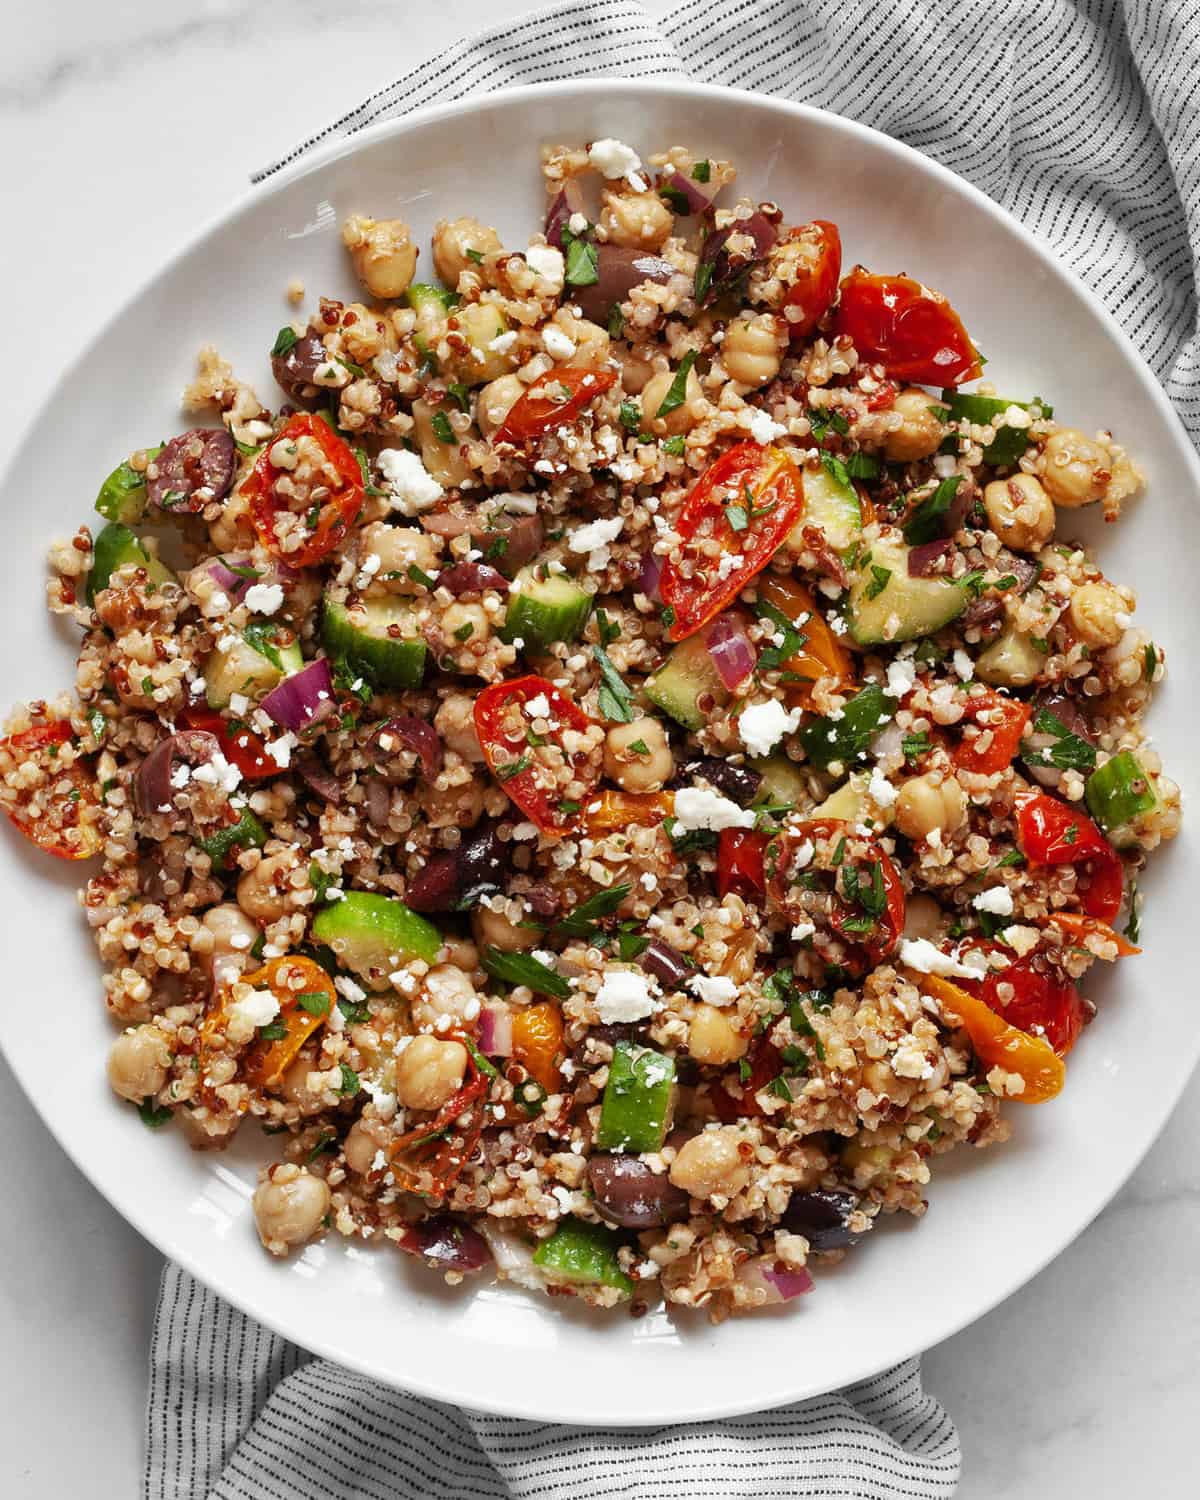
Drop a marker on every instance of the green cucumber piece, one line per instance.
(582, 1254)
(251, 665)
(848, 803)
(374, 933)
(362, 638)
(481, 323)
(544, 610)
(1119, 795)
(684, 679)
(1010, 442)
(898, 608)
(782, 781)
(246, 833)
(263, 636)
(122, 496)
(115, 546)
(637, 1099)
(832, 506)
(844, 740)
(424, 294)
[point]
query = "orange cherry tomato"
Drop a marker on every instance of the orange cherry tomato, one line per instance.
(821, 654)
(538, 1043)
(611, 810)
(911, 331)
(1079, 928)
(764, 491)
(1005, 718)
(429, 1158)
(306, 999)
(813, 260)
(503, 729)
(238, 745)
(332, 519)
(552, 401)
(996, 1042)
(1050, 832)
(740, 862)
(67, 825)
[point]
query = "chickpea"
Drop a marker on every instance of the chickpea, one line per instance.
(293, 1086)
(261, 892)
(455, 805)
(1096, 612)
(383, 255)
(635, 371)
(591, 343)
(232, 528)
(481, 325)
(455, 722)
(452, 238)
(429, 1072)
(398, 548)
(711, 1163)
(448, 992)
(1020, 511)
(493, 928)
(684, 417)
(367, 1137)
(1077, 468)
(138, 1063)
(467, 624)
(752, 350)
(443, 460)
(289, 1205)
(496, 400)
(234, 934)
(641, 221)
(922, 917)
(637, 756)
(713, 1039)
(928, 802)
(919, 433)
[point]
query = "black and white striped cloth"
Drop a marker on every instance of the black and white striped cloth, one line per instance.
(1082, 117)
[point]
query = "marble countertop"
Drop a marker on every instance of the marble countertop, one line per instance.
(1084, 1384)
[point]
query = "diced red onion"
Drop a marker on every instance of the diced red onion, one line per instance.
(618, 271)
(514, 1258)
(302, 699)
(567, 201)
(730, 649)
(446, 1244)
(788, 1281)
(496, 1029)
(471, 578)
(687, 187)
(317, 776)
(667, 964)
(191, 747)
(232, 583)
(923, 560)
(727, 267)
(648, 578)
(452, 521)
(412, 733)
(777, 1284)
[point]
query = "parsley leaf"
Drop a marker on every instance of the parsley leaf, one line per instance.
(320, 882)
(582, 263)
(862, 466)
(609, 629)
(630, 416)
(1150, 661)
(285, 340)
(879, 581)
(915, 745)
(523, 968)
(772, 657)
(677, 392)
(616, 701)
(1133, 928)
(151, 1116)
(675, 445)
(925, 523)
(350, 1081)
(315, 1002)
(460, 395)
(514, 768)
(582, 921)
(702, 171)
(442, 429)
(1069, 751)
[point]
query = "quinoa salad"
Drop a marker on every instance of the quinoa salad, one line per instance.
(619, 765)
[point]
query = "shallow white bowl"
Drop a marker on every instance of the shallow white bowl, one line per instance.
(995, 1219)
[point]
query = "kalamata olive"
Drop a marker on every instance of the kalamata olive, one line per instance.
(510, 540)
(446, 1244)
(1023, 569)
(732, 249)
(319, 779)
(155, 785)
(453, 879)
(739, 783)
(471, 578)
(618, 271)
(928, 558)
(982, 611)
(543, 901)
(406, 732)
(586, 1054)
(629, 1193)
(191, 470)
(295, 370)
(665, 963)
(822, 1217)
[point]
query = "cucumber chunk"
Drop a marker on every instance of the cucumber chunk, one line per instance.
(251, 666)
(637, 1099)
(844, 740)
(115, 546)
(582, 1254)
(362, 637)
(372, 933)
(986, 411)
(849, 802)
(122, 496)
(687, 685)
(896, 607)
(830, 505)
(783, 781)
(1120, 795)
(544, 610)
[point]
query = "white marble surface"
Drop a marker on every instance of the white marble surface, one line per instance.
(121, 127)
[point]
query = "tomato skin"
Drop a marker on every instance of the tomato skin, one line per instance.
(1007, 718)
(338, 513)
(551, 401)
(821, 654)
(538, 1043)
(773, 479)
(810, 296)
(997, 1043)
(1050, 832)
(765, 1064)
(83, 793)
(740, 862)
(240, 747)
(1078, 928)
(911, 331)
(613, 810)
(1053, 1005)
(501, 751)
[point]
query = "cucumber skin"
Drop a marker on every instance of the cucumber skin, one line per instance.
(122, 496)
(633, 1111)
(1112, 801)
(538, 620)
(833, 510)
(932, 603)
(396, 664)
(377, 927)
(584, 1255)
(114, 546)
(677, 685)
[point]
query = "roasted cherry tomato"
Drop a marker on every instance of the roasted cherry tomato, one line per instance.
(996, 1042)
(763, 491)
(551, 401)
(812, 255)
(428, 1158)
(822, 873)
(1004, 719)
(1033, 999)
(1050, 832)
(239, 747)
(538, 1043)
(740, 862)
(1079, 928)
(911, 331)
(65, 825)
(324, 524)
(609, 811)
(820, 655)
(306, 999)
(504, 729)
(766, 1064)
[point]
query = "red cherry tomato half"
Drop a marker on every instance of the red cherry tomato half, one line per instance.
(555, 399)
(323, 525)
(56, 810)
(239, 747)
(740, 862)
(1034, 1000)
(765, 1065)
(1005, 719)
(911, 331)
(1050, 832)
(763, 491)
(811, 258)
(504, 727)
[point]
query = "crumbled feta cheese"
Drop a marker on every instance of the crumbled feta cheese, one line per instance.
(763, 427)
(763, 725)
(881, 790)
(908, 1061)
(998, 901)
(411, 487)
(280, 750)
(713, 991)
(238, 704)
(963, 665)
(803, 856)
(577, 223)
(180, 777)
(218, 772)
(624, 996)
(594, 539)
(901, 674)
(1016, 416)
(920, 954)
(801, 931)
(944, 464)
(347, 987)
(557, 344)
(259, 1008)
(697, 807)
(263, 598)
(503, 342)
(615, 159)
(538, 707)
(547, 262)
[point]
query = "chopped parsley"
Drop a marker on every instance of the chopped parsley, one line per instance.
(1013, 857)
(677, 392)
(285, 340)
(273, 1031)
(616, 322)
(630, 416)
(915, 745)
(773, 657)
(320, 882)
(925, 523)
(442, 429)
(608, 629)
(315, 1002)
(460, 395)
(630, 943)
(583, 261)
(675, 445)
(862, 466)
(1133, 928)
(473, 255)
(419, 576)
(879, 581)
(779, 1087)
(1069, 752)
(1150, 661)
(514, 768)
(582, 921)
(152, 1116)
(825, 420)
(668, 616)
(523, 968)
(615, 701)
(702, 170)
(350, 1083)
(326, 1141)
(677, 198)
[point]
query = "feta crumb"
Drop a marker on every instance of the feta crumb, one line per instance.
(717, 990)
(909, 1061)
(263, 598)
(901, 674)
(548, 263)
(280, 750)
(763, 725)
(998, 901)
(763, 427)
(538, 707)
(238, 704)
(557, 344)
(697, 807)
(880, 789)
(347, 987)
(963, 665)
(577, 223)
(411, 487)
(803, 856)
(624, 996)
(615, 159)
(920, 954)
(503, 342)
(594, 539)
(802, 930)
(218, 772)
(259, 1008)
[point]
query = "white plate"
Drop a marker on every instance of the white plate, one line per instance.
(994, 1220)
